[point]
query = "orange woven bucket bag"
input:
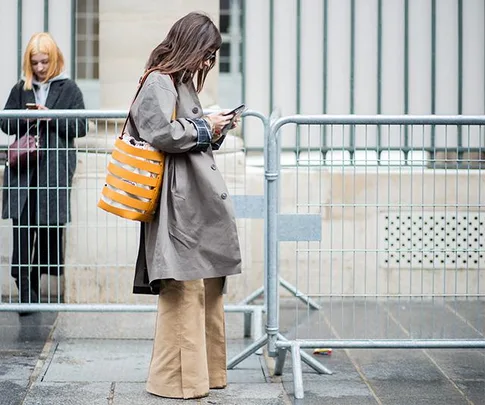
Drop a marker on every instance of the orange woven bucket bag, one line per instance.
(135, 173)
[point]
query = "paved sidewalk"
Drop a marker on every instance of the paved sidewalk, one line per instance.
(102, 358)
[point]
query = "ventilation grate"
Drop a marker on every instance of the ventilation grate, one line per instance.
(432, 240)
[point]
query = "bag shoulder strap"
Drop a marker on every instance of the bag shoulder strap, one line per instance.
(140, 85)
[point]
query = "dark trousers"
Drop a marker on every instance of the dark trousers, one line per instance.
(37, 249)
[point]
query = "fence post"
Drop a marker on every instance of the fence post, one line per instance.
(271, 175)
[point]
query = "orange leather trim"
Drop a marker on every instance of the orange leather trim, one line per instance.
(130, 188)
(137, 178)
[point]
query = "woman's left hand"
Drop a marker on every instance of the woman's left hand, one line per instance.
(43, 107)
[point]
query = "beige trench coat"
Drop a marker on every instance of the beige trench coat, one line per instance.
(193, 234)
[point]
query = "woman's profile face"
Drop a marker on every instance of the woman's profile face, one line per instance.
(208, 60)
(40, 66)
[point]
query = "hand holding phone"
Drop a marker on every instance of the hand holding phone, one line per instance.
(236, 113)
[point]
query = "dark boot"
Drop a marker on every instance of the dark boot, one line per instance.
(26, 295)
(35, 285)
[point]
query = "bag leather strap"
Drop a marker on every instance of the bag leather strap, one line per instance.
(140, 85)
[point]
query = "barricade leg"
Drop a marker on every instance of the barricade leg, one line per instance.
(297, 372)
(248, 318)
(251, 297)
(247, 352)
(285, 284)
(317, 366)
(280, 361)
(257, 326)
(253, 325)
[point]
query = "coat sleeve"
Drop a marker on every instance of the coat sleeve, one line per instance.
(14, 126)
(152, 115)
(72, 127)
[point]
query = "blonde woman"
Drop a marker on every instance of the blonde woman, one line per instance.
(36, 197)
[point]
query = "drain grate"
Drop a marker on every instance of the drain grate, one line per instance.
(432, 240)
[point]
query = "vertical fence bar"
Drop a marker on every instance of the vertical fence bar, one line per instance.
(352, 81)
(271, 180)
(406, 77)
(432, 154)
(298, 75)
(243, 53)
(325, 70)
(460, 79)
(298, 58)
(73, 38)
(19, 37)
(271, 55)
(46, 15)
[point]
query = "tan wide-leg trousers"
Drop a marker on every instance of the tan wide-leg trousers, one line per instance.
(189, 350)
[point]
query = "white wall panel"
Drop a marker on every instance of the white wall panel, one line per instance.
(60, 28)
(8, 38)
(473, 57)
(284, 73)
(365, 70)
(311, 64)
(419, 57)
(256, 67)
(446, 57)
(393, 57)
(338, 63)
(32, 19)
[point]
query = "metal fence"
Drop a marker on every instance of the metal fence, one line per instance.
(373, 226)
(396, 256)
(100, 249)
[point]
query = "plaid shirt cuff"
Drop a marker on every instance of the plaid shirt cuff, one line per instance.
(203, 134)
(216, 145)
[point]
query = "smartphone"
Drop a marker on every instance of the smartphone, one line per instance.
(31, 106)
(237, 113)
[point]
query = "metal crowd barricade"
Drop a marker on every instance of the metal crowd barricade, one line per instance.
(399, 259)
(101, 248)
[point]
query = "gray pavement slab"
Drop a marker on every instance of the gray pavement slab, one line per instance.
(94, 358)
(49, 393)
(86, 360)
(460, 364)
(22, 340)
(473, 389)
(402, 392)
(17, 366)
(336, 388)
(428, 320)
(471, 311)
(395, 364)
(233, 394)
(99, 325)
(12, 392)
(24, 333)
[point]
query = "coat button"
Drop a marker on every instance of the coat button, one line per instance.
(213, 166)
(195, 110)
(223, 196)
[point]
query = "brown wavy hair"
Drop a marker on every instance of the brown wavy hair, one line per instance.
(191, 41)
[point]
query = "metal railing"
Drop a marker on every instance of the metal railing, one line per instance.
(377, 254)
(421, 226)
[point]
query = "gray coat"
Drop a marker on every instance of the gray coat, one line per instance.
(194, 233)
(57, 162)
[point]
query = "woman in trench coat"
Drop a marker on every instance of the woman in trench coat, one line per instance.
(37, 197)
(191, 246)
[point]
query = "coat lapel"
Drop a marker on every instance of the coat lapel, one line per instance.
(55, 91)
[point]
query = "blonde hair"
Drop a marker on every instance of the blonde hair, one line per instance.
(42, 42)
